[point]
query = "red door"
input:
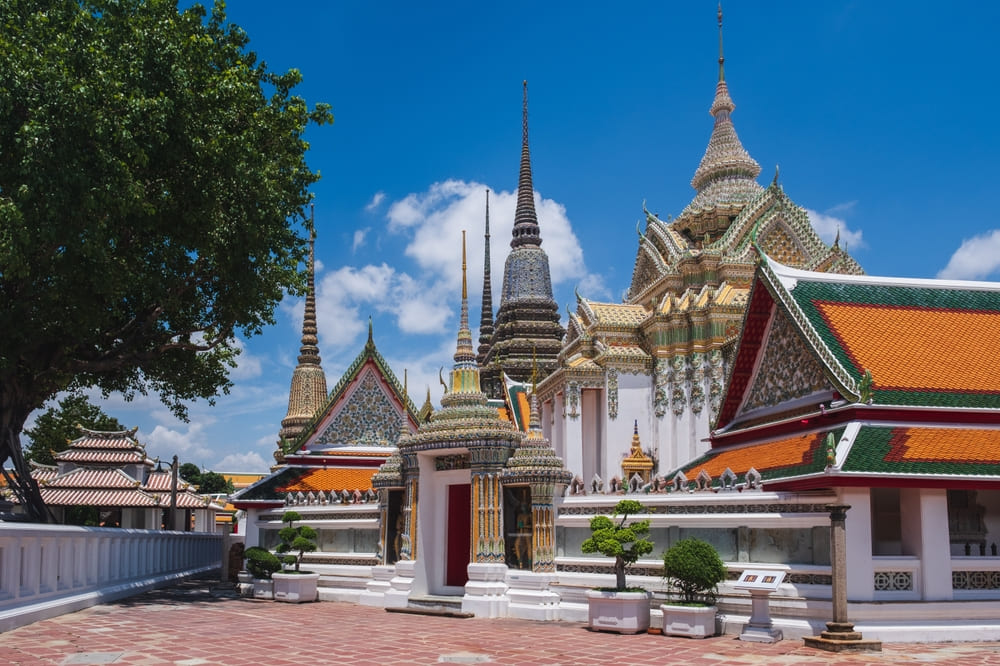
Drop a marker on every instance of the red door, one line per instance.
(459, 534)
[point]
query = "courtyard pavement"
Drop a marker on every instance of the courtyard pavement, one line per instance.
(200, 622)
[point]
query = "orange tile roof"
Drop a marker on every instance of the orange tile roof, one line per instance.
(944, 445)
(929, 347)
(343, 478)
(790, 452)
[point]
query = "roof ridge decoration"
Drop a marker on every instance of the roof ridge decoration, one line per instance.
(526, 231)
(726, 173)
(486, 319)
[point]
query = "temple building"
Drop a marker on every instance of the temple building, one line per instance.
(105, 479)
(527, 332)
(659, 360)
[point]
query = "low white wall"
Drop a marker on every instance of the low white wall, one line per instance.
(48, 570)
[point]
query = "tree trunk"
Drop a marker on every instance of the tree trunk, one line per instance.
(619, 573)
(19, 478)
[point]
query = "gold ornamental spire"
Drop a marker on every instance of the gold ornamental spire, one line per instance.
(722, 59)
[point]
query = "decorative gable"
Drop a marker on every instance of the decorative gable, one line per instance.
(780, 244)
(787, 370)
(367, 415)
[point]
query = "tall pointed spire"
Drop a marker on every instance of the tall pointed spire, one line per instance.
(727, 173)
(486, 320)
(464, 353)
(528, 316)
(525, 220)
(308, 389)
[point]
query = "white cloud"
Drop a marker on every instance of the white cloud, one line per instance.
(189, 444)
(248, 462)
(359, 238)
(828, 226)
(438, 216)
(375, 202)
(975, 259)
(248, 365)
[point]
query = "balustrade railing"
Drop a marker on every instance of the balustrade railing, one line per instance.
(47, 570)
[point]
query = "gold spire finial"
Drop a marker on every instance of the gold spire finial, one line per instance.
(465, 289)
(722, 71)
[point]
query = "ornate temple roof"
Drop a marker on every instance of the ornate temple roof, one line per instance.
(362, 410)
(862, 380)
(308, 389)
(87, 475)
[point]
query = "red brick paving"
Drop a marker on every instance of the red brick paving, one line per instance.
(195, 623)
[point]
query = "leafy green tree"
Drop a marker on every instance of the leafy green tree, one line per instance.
(212, 483)
(190, 473)
(153, 186)
(57, 426)
(301, 539)
(626, 542)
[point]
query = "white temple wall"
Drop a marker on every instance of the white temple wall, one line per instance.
(572, 427)
(860, 564)
(592, 433)
(634, 405)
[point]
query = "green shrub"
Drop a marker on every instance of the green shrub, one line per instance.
(625, 543)
(301, 539)
(694, 568)
(261, 563)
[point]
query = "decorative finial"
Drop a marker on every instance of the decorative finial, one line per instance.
(836, 241)
(406, 385)
(722, 59)
(777, 172)
(465, 288)
(526, 231)
(371, 340)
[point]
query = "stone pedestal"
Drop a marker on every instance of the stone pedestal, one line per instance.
(760, 629)
(486, 590)
(840, 635)
(398, 596)
(375, 589)
(530, 596)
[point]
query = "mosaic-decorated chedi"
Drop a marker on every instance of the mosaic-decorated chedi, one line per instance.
(660, 358)
(308, 391)
(527, 331)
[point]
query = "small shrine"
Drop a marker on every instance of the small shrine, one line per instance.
(637, 467)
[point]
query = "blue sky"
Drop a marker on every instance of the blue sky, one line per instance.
(880, 115)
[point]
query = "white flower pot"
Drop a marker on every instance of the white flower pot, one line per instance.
(690, 621)
(263, 588)
(245, 583)
(620, 612)
(295, 588)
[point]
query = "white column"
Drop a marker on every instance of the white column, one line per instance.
(935, 552)
(573, 427)
(860, 566)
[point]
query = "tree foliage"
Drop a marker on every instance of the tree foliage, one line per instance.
(207, 483)
(301, 539)
(56, 427)
(626, 542)
(152, 191)
(694, 568)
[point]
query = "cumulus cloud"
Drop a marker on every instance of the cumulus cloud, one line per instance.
(976, 258)
(831, 223)
(376, 201)
(248, 365)
(187, 443)
(437, 216)
(359, 238)
(247, 462)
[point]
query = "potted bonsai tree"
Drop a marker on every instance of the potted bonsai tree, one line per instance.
(291, 584)
(619, 609)
(693, 570)
(262, 563)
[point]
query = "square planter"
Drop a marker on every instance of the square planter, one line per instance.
(690, 621)
(263, 588)
(620, 612)
(295, 588)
